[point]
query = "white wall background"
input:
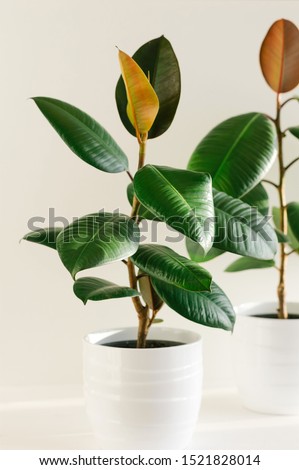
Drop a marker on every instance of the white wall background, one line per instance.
(65, 49)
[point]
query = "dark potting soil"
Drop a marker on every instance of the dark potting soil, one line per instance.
(150, 344)
(292, 316)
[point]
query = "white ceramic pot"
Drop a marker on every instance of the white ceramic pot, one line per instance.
(143, 398)
(266, 359)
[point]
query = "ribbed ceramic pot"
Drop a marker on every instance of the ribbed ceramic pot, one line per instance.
(143, 398)
(266, 358)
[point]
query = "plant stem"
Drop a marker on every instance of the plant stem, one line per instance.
(142, 149)
(291, 252)
(129, 175)
(288, 100)
(292, 163)
(143, 328)
(142, 310)
(153, 316)
(282, 308)
(270, 182)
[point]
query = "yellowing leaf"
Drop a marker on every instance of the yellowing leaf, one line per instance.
(279, 56)
(143, 103)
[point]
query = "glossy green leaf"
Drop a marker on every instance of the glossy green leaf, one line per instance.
(237, 153)
(93, 288)
(181, 198)
(97, 239)
(44, 236)
(258, 198)
(163, 263)
(196, 254)
(157, 59)
(292, 240)
(241, 229)
(276, 217)
(293, 219)
(281, 237)
(83, 135)
(148, 292)
(143, 213)
(294, 131)
(242, 264)
(143, 102)
(206, 308)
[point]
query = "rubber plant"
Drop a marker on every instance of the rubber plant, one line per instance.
(147, 96)
(230, 149)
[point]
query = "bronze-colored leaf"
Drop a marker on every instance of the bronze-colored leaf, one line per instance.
(148, 292)
(279, 56)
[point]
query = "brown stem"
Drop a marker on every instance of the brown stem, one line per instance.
(288, 100)
(129, 175)
(270, 182)
(292, 163)
(282, 308)
(143, 328)
(154, 313)
(291, 252)
(142, 310)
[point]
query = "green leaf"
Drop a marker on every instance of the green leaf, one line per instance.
(294, 131)
(196, 254)
(44, 236)
(93, 288)
(293, 219)
(97, 239)
(292, 240)
(157, 59)
(207, 308)
(83, 135)
(281, 237)
(163, 263)
(241, 229)
(148, 292)
(242, 264)
(237, 153)
(181, 198)
(143, 213)
(257, 198)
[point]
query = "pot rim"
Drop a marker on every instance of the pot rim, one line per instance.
(245, 309)
(91, 339)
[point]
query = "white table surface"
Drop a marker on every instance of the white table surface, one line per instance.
(54, 418)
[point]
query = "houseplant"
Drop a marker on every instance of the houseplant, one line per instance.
(266, 334)
(127, 401)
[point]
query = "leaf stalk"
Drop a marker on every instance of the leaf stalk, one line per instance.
(142, 310)
(282, 307)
